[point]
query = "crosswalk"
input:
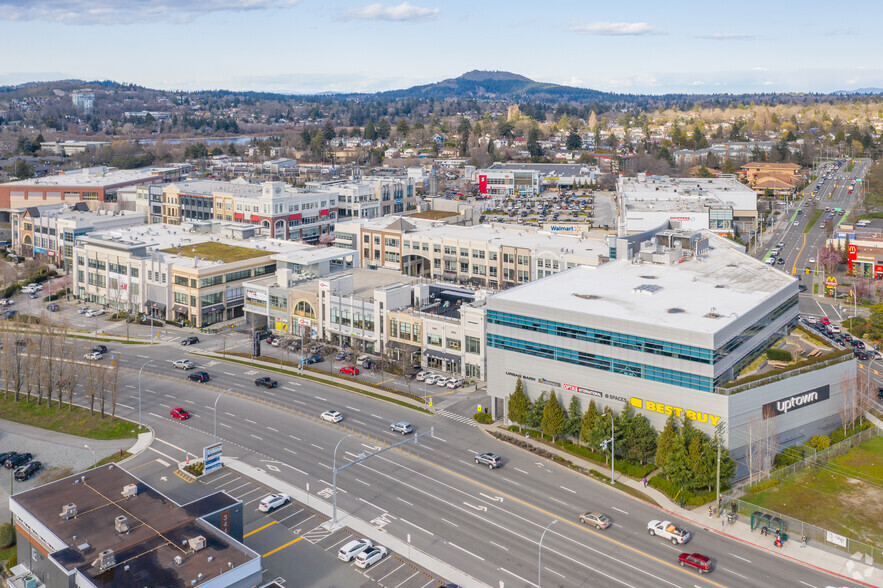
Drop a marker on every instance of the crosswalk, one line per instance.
(456, 417)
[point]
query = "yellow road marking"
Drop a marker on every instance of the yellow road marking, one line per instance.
(566, 519)
(280, 548)
(259, 529)
(143, 464)
(385, 381)
(794, 269)
(441, 393)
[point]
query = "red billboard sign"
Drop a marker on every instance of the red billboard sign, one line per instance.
(852, 253)
(482, 184)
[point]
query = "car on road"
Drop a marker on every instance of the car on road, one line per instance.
(52, 307)
(340, 355)
(401, 427)
(353, 548)
(100, 348)
(695, 560)
(371, 556)
(596, 519)
(26, 471)
(861, 355)
(350, 370)
(455, 382)
(183, 364)
(199, 377)
(812, 259)
(801, 288)
(491, 460)
(422, 376)
(83, 310)
(796, 223)
(190, 341)
(273, 501)
(16, 460)
(266, 382)
(668, 530)
(314, 359)
(332, 416)
(95, 312)
(825, 320)
(93, 356)
(362, 359)
(179, 413)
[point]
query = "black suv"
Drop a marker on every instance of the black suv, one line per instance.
(266, 382)
(199, 377)
(26, 471)
(17, 460)
(190, 341)
(102, 349)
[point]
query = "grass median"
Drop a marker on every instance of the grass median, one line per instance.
(74, 421)
(813, 219)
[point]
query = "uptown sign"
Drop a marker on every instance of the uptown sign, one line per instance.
(810, 397)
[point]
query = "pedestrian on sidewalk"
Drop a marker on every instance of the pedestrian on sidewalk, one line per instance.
(778, 542)
(682, 503)
(645, 481)
(734, 505)
(710, 511)
(803, 538)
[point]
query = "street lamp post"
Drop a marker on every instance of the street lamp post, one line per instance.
(94, 459)
(540, 555)
(139, 391)
(334, 482)
(612, 449)
(216, 412)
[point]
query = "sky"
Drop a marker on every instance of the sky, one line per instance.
(309, 46)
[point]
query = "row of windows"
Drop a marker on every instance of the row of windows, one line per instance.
(754, 329)
(602, 337)
(607, 364)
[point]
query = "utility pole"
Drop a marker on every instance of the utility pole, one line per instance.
(719, 434)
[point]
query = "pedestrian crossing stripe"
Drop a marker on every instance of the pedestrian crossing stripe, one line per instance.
(457, 417)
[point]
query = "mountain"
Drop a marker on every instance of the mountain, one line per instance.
(499, 85)
(860, 91)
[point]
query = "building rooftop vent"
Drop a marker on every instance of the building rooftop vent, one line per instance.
(588, 296)
(647, 289)
(68, 511)
(713, 315)
(676, 310)
(649, 277)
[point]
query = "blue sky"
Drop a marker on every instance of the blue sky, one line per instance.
(335, 45)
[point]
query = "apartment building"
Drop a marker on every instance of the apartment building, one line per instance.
(372, 197)
(490, 256)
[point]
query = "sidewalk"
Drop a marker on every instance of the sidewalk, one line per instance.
(854, 568)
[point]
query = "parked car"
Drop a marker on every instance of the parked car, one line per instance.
(7, 455)
(266, 382)
(100, 348)
(596, 519)
(9, 314)
(199, 377)
(52, 307)
(183, 364)
(93, 356)
(332, 416)
(491, 460)
(190, 341)
(422, 376)
(442, 381)
(361, 360)
(95, 312)
(273, 501)
(370, 364)
(314, 359)
(350, 370)
(26, 471)
(455, 382)
(401, 427)
(179, 413)
(353, 548)
(371, 556)
(341, 355)
(17, 460)
(431, 378)
(695, 560)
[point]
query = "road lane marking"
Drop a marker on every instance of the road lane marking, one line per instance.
(517, 576)
(280, 548)
(377, 417)
(274, 430)
(416, 526)
(289, 451)
(125, 406)
(249, 534)
(742, 558)
(568, 489)
(619, 509)
(317, 447)
(250, 421)
(320, 398)
(498, 545)
(735, 573)
(295, 438)
(299, 401)
(256, 437)
(556, 500)
(805, 584)
(228, 374)
(362, 482)
(225, 425)
(229, 413)
(353, 408)
(520, 470)
(359, 422)
(449, 522)
(403, 500)
(465, 551)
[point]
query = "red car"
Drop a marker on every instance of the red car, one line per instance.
(350, 369)
(179, 413)
(700, 562)
(824, 320)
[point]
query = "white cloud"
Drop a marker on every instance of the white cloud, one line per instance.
(575, 81)
(726, 36)
(759, 68)
(615, 29)
(85, 12)
(404, 12)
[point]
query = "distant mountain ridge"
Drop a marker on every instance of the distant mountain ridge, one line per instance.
(860, 91)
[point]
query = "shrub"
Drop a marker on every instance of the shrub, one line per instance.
(483, 417)
(7, 535)
(677, 494)
(819, 442)
(779, 354)
(760, 486)
(837, 435)
(13, 561)
(787, 457)
(196, 468)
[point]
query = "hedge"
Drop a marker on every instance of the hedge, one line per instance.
(798, 365)
(483, 417)
(56, 295)
(779, 354)
(760, 486)
(7, 535)
(787, 457)
(677, 494)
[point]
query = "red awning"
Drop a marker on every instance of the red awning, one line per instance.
(255, 218)
(237, 216)
(323, 212)
(295, 216)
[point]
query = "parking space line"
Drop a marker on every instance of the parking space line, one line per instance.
(249, 534)
(281, 547)
(291, 515)
(236, 488)
(303, 521)
(333, 545)
(392, 572)
(247, 493)
(406, 579)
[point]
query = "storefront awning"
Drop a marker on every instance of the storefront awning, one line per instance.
(213, 308)
(179, 308)
(441, 355)
(402, 346)
(158, 306)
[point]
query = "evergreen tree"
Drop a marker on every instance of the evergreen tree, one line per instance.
(328, 131)
(383, 128)
(667, 441)
(600, 430)
(728, 464)
(533, 145)
(231, 149)
(554, 418)
(535, 414)
(574, 142)
(588, 421)
(697, 450)
(688, 431)
(574, 417)
(641, 444)
(370, 131)
(519, 405)
(728, 167)
(677, 467)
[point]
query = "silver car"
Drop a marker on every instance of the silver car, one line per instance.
(401, 427)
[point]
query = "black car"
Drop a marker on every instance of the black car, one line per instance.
(102, 349)
(17, 460)
(266, 382)
(190, 341)
(7, 455)
(199, 377)
(26, 471)
(862, 355)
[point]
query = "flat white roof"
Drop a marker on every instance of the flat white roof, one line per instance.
(666, 193)
(89, 177)
(702, 295)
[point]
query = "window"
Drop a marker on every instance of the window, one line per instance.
(366, 239)
(266, 269)
(393, 328)
(454, 344)
(508, 258)
(335, 316)
(434, 340)
(280, 302)
(417, 332)
(240, 275)
(210, 299)
(477, 254)
(464, 267)
(478, 270)
(473, 345)
(181, 281)
(304, 309)
(391, 242)
(181, 298)
(405, 331)
(436, 248)
(133, 272)
(492, 271)
(212, 281)
(392, 256)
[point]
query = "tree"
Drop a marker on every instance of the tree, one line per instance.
(703, 460)
(830, 258)
(370, 131)
(640, 444)
(588, 421)
(505, 129)
(22, 169)
(703, 172)
(328, 131)
(402, 128)
(231, 150)
(519, 405)
(535, 414)
(554, 418)
(667, 441)
(574, 142)
(601, 430)
(533, 144)
(677, 467)
(383, 128)
(728, 166)
(574, 417)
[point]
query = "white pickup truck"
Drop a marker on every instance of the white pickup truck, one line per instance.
(668, 530)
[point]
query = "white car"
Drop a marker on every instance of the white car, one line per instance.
(184, 364)
(422, 376)
(273, 501)
(371, 556)
(431, 378)
(353, 548)
(83, 310)
(93, 356)
(455, 382)
(361, 360)
(96, 312)
(442, 381)
(812, 259)
(332, 416)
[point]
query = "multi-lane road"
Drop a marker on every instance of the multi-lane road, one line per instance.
(485, 522)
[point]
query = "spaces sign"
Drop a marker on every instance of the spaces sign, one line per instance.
(795, 401)
(211, 456)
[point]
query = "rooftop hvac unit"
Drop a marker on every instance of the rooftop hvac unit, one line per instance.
(196, 543)
(129, 490)
(30, 581)
(120, 524)
(104, 560)
(68, 511)
(178, 561)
